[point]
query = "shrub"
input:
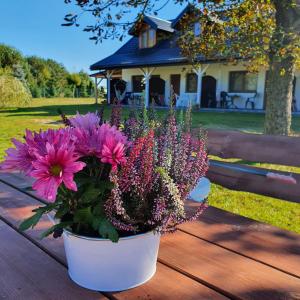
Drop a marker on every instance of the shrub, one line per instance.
(13, 92)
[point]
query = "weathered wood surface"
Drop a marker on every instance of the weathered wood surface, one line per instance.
(268, 244)
(29, 273)
(197, 263)
(243, 181)
(279, 150)
(262, 242)
(15, 206)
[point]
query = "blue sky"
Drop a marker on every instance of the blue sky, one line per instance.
(34, 27)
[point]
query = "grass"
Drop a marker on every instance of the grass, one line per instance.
(43, 114)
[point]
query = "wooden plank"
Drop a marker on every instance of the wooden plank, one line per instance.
(267, 244)
(279, 150)
(242, 181)
(15, 206)
(240, 277)
(28, 273)
(289, 249)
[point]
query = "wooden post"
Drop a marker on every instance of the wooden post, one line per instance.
(109, 74)
(96, 91)
(147, 75)
(199, 71)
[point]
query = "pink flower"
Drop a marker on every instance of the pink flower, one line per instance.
(56, 167)
(19, 158)
(91, 142)
(87, 121)
(113, 152)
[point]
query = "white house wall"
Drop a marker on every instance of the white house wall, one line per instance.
(219, 71)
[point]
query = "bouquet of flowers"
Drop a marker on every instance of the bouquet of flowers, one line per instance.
(112, 179)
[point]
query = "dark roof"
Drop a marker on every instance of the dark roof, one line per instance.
(165, 52)
(155, 23)
(161, 24)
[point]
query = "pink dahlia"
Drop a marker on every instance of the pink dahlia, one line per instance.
(19, 158)
(113, 152)
(56, 137)
(56, 167)
(91, 142)
(87, 121)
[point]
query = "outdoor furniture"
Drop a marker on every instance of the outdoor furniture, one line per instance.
(251, 100)
(220, 256)
(182, 101)
(227, 101)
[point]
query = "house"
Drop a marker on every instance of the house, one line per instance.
(150, 67)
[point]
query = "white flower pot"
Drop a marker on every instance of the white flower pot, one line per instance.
(101, 265)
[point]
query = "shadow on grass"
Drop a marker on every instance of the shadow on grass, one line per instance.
(51, 110)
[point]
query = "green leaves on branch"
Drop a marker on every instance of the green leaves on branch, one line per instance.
(107, 230)
(52, 229)
(33, 220)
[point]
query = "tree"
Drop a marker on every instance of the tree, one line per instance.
(12, 92)
(74, 80)
(9, 56)
(264, 31)
(41, 77)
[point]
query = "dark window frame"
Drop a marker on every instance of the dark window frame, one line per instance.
(244, 89)
(149, 43)
(187, 84)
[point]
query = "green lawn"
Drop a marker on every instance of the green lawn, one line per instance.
(43, 114)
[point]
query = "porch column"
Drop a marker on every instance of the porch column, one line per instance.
(109, 74)
(96, 88)
(96, 91)
(199, 71)
(147, 75)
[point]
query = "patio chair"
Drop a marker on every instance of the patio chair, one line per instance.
(251, 100)
(227, 101)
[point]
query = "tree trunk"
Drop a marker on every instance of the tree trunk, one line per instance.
(279, 89)
(279, 85)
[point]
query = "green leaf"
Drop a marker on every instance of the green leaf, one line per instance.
(84, 215)
(96, 223)
(107, 230)
(106, 185)
(32, 221)
(55, 227)
(61, 212)
(98, 210)
(91, 193)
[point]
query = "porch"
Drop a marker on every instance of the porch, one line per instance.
(213, 85)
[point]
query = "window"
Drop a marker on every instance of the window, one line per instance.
(138, 84)
(147, 38)
(197, 29)
(191, 83)
(242, 82)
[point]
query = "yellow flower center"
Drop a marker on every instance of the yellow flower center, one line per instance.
(56, 170)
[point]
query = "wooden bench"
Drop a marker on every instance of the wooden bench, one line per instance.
(220, 256)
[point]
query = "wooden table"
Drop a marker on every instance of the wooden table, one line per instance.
(220, 256)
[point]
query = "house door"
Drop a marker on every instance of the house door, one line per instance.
(208, 92)
(157, 90)
(175, 85)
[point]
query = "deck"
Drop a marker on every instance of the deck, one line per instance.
(221, 256)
